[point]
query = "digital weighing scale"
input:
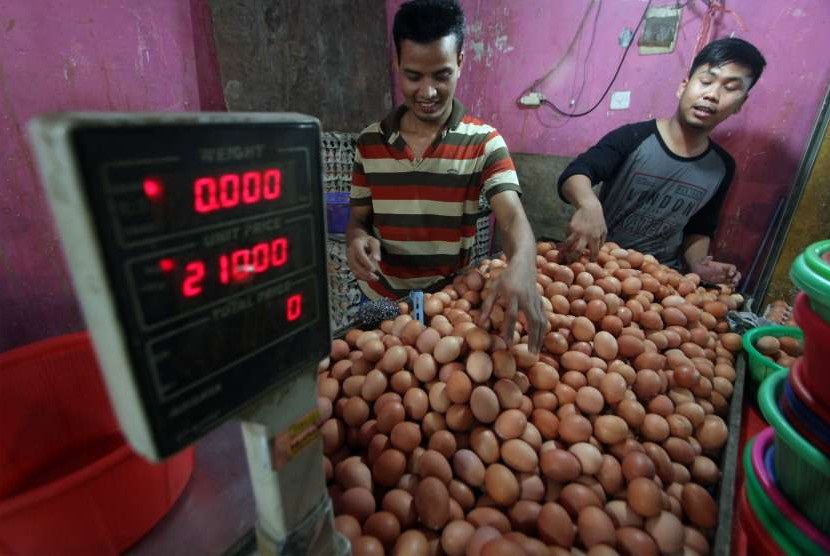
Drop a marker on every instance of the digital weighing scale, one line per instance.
(196, 244)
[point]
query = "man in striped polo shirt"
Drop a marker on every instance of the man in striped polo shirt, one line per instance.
(419, 172)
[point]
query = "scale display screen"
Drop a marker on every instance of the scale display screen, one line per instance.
(212, 237)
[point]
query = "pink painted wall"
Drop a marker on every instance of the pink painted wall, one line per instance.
(511, 43)
(153, 55)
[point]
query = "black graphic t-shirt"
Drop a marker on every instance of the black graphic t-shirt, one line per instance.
(652, 197)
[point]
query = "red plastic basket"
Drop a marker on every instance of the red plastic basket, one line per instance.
(816, 358)
(807, 397)
(69, 481)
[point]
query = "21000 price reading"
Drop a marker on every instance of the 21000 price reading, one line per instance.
(235, 267)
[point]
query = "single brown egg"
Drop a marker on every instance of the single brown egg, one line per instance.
(667, 531)
(501, 484)
(456, 536)
(575, 497)
(575, 428)
(519, 455)
(389, 467)
(589, 400)
(459, 387)
(479, 366)
(488, 516)
(510, 424)
(595, 527)
(485, 443)
(635, 541)
(468, 467)
(555, 525)
(644, 496)
(699, 506)
(357, 502)
(610, 429)
(713, 433)
(481, 537)
(432, 503)
(402, 504)
(583, 329)
(447, 349)
(367, 546)
(384, 526)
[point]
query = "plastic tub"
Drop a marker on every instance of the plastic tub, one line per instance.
(812, 420)
(796, 380)
(803, 470)
(800, 427)
(761, 366)
(804, 420)
(337, 211)
(797, 528)
(69, 482)
(767, 529)
(811, 273)
(816, 359)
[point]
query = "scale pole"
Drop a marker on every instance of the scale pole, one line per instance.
(285, 458)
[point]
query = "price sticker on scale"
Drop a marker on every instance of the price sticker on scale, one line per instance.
(197, 248)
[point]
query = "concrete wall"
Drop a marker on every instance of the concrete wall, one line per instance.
(57, 55)
(326, 59)
(547, 214)
(810, 224)
(512, 43)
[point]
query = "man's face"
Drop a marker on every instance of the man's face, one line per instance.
(428, 75)
(712, 94)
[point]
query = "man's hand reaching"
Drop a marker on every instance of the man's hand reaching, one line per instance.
(587, 229)
(517, 286)
(717, 272)
(363, 256)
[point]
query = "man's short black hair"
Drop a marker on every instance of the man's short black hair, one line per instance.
(424, 21)
(737, 51)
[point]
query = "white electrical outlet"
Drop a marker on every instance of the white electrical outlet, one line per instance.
(532, 100)
(620, 100)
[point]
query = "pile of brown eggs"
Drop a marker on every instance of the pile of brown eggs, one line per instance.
(784, 350)
(444, 439)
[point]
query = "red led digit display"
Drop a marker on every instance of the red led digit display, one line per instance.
(194, 275)
(212, 194)
(234, 267)
(294, 307)
(242, 263)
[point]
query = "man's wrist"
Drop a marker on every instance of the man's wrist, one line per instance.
(588, 203)
(354, 232)
(523, 261)
(694, 263)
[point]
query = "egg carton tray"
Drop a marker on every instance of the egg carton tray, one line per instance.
(338, 150)
(344, 293)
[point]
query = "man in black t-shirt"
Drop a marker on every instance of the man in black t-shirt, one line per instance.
(664, 181)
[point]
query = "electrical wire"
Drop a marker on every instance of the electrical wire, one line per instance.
(558, 110)
(559, 62)
(578, 95)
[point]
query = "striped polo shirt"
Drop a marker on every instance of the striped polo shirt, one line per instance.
(425, 211)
